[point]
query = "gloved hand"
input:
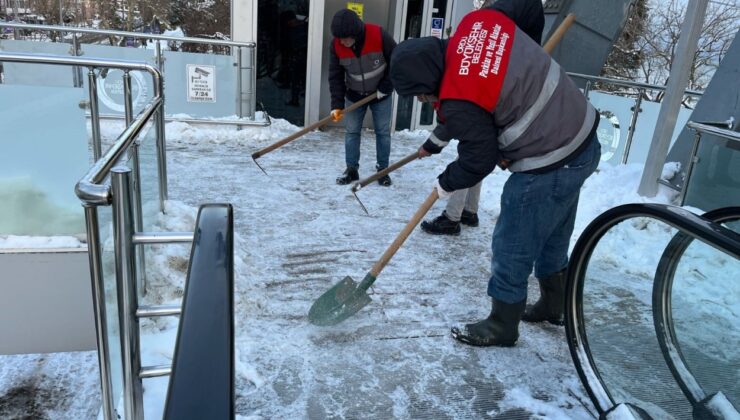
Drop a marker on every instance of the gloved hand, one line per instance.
(381, 95)
(441, 192)
(337, 115)
(423, 152)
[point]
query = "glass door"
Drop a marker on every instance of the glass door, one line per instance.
(423, 18)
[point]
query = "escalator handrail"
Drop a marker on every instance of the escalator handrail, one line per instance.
(202, 381)
(697, 227)
(662, 309)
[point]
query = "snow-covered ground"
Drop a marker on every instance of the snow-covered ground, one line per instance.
(298, 233)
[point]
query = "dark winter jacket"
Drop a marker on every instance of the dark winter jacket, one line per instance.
(346, 24)
(477, 128)
(527, 14)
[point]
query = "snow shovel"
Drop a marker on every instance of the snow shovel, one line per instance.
(347, 297)
(298, 134)
(357, 186)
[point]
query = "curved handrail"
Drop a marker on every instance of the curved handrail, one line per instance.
(695, 226)
(72, 29)
(662, 311)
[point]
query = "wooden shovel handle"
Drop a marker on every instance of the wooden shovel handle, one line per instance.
(311, 127)
(361, 183)
(559, 33)
(401, 238)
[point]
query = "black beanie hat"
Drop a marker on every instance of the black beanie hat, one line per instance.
(346, 24)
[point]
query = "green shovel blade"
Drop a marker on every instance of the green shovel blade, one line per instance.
(340, 302)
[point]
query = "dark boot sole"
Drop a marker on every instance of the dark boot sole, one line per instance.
(433, 232)
(553, 321)
(470, 224)
(477, 341)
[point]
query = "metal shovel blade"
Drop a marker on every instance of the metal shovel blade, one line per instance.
(338, 303)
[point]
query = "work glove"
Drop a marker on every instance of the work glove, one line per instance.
(381, 95)
(441, 192)
(337, 115)
(423, 152)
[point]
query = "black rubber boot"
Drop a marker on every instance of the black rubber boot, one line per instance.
(384, 180)
(349, 175)
(501, 328)
(551, 304)
(441, 225)
(469, 219)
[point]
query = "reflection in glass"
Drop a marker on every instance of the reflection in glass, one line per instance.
(617, 314)
(609, 134)
(706, 316)
(41, 163)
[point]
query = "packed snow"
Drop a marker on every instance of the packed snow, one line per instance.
(298, 233)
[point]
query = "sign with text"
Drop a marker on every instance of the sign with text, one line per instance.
(201, 83)
(437, 26)
(356, 7)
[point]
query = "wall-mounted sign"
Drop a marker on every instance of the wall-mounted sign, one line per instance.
(201, 83)
(356, 7)
(437, 26)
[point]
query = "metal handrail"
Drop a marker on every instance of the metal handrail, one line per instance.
(109, 32)
(629, 83)
(714, 235)
(662, 309)
(715, 131)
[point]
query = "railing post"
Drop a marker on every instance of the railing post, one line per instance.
(92, 84)
(75, 51)
(160, 62)
(239, 85)
(138, 212)
(123, 230)
(689, 168)
(587, 89)
(631, 130)
(161, 143)
(252, 82)
(94, 252)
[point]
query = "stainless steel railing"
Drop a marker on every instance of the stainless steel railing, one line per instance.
(699, 129)
(641, 89)
(246, 84)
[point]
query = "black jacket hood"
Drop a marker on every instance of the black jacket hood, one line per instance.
(346, 24)
(417, 66)
(528, 15)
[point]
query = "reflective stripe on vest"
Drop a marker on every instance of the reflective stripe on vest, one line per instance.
(514, 131)
(363, 73)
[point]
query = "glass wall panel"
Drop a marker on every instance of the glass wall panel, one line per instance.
(200, 85)
(706, 314)
(282, 48)
(105, 223)
(37, 74)
(110, 83)
(149, 177)
(616, 116)
(715, 179)
(40, 164)
(617, 313)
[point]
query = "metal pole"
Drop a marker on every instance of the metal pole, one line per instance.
(587, 89)
(76, 73)
(160, 62)
(94, 252)
(692, 161)
(252, 74)
(239, 87)
(92, 84)
(631, 130)
(123, 227)
(161, 144)
(677, 80)
(136, 164)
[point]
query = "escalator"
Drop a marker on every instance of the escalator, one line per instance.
(653, 312)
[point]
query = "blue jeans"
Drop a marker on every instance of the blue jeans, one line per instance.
(381, 111)
(538, 212)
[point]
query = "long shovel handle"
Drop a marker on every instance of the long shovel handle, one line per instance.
(320, 123)
(559, 33)
(401, 238)
(363, 182)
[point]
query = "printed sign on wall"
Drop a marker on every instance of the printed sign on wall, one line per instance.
(356, 7)
(201, 83)
(437, 25)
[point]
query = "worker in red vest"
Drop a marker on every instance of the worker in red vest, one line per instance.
(358, 66)
(508, 103)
